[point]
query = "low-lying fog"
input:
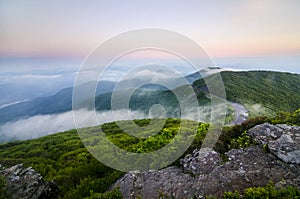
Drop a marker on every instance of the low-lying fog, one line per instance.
(41, 125)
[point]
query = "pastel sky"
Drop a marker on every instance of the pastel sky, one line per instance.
(226, 28)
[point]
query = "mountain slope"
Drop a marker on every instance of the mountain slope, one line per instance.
(262, 92)
(57, 103)
(62, 157)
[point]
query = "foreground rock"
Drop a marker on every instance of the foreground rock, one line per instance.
(282, 140)
(208, 158)
(246, 168)
(202, 173)
(25, 183)
(152, 184)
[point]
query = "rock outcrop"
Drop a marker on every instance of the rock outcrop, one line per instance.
(170, 181)
(208, 158)
(282, 140)
(202, 173)
(22, 182)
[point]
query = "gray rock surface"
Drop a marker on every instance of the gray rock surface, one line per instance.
(282, 140)
(246, 168)
(202, 173)
(170, 181)
(208, 158)
(22, 182)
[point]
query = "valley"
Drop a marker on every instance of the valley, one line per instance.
(149, 99)
(261, 93)
(65, 160)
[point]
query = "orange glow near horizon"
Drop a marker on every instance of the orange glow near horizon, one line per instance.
(229, 28)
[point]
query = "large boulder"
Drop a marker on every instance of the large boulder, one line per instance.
(245, 168)
(203, 173)
(22, 182)
(170, 181)
(282, 140)
(249, 167)
(207, 158)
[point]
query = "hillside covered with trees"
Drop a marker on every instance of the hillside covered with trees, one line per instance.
(261, 92)
(62, 157)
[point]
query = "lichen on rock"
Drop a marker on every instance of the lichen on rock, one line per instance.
(282, 140)
(22, 182)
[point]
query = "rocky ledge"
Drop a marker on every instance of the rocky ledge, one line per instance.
(282, 140)
(203, 173)
(22, 182)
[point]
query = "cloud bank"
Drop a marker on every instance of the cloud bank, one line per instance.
(41, 125)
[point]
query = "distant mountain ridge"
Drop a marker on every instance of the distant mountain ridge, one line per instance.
(265, 90)
(62, 100)
(57, 103)
(262, 92)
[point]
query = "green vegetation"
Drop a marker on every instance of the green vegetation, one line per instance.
(229, 115)
(287, 118)
(114, 194)
(156, 138)
(265, 148)
(267, 192)
(262, 92)
(242, 141)
(143, 99)
(2, 187)
(235, 136)
(63, 158)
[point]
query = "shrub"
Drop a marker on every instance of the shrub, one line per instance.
(265, 148)
(114, 194)
(230, 195)
(267, 192)
(2, 187)
(242, 141)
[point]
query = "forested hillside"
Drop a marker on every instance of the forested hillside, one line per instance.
(62, 157)
(262, 92)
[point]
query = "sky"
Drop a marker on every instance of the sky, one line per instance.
(222, 28)
(256, 34)
(44, 42)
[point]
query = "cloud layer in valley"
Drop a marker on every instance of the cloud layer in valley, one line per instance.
(42, 125)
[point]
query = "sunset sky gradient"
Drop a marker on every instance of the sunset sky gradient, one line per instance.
(223, 28)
